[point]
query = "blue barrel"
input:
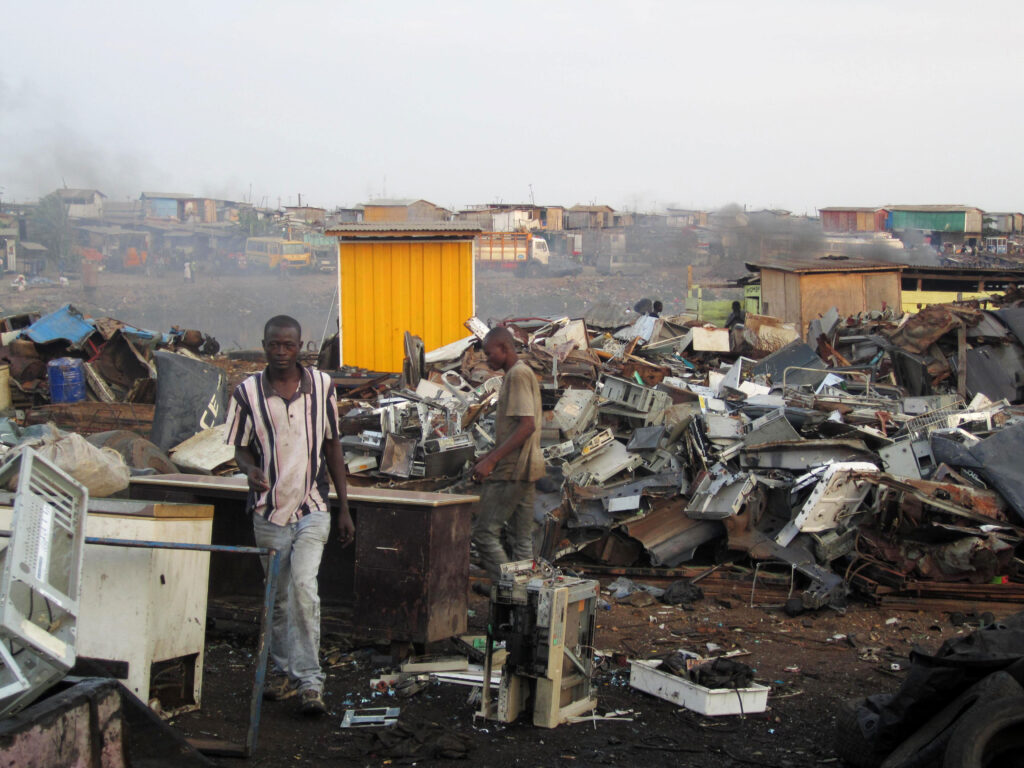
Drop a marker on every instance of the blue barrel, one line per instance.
(67, 380)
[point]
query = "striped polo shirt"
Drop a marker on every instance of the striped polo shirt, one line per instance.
(287, 438)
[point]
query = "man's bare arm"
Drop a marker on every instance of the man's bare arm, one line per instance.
(524, 429)
(247, 463)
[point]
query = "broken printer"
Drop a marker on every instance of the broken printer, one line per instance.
(547, 622)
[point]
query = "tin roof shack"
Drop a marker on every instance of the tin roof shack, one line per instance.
(12, 230)
(82, 203)
(395, 278)
(956, 224)
(305, 214)
(590, 217)
(853, 219)
(401, 211)
(1005, 223)
(339, 215)
(800, 291)
(31, 258)
(512, 217)
(119, 248)
(166, 205)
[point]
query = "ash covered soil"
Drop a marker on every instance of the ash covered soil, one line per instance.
(233, 307)
(811, 662)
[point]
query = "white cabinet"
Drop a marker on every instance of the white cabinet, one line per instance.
(143, 611)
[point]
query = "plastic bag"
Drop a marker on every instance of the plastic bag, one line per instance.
(101, 470)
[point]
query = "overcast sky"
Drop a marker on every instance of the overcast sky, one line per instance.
(636, 104)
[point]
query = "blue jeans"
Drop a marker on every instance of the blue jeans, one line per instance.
(295, 633)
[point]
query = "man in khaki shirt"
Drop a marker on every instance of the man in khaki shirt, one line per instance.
(509, 471)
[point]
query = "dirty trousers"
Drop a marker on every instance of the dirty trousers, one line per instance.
(295, 633)
(500, 501)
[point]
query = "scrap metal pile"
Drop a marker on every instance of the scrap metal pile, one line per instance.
(883, 457)
(118, 365)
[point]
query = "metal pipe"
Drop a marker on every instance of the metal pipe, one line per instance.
(262, 649)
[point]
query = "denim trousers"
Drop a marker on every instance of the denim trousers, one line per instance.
(295, 633)
(501, 501)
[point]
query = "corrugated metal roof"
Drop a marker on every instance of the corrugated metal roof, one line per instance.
(397, 202)
(825, 265)
(110, 230)
(169, 195)
(404, 229)
(857, 208)
(66, 323)
(591, 209)
(924, 271)
(76, 193)
(932, 208)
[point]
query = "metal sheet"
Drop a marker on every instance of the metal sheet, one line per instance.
(66, 323)
(836, 498)
(1000, 457)
(204, 451)
(669, 536)
(795, 354)
(799, 456)
(988, 375)
(1014, 319)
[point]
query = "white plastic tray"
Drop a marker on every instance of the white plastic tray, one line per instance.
(707, 701)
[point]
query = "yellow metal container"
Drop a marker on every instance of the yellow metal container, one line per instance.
(395, 278)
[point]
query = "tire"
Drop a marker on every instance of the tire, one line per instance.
(990, 735)
(850, 745)
(926, 746)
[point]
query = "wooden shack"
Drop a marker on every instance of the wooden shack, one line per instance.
(798, 291)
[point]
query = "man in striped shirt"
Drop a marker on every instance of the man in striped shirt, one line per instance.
(284, 426)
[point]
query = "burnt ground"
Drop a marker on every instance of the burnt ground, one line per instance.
(233, 307)
(811, 662)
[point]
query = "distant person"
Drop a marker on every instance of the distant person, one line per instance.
(188, 271)
(736, 317)
(656, 309)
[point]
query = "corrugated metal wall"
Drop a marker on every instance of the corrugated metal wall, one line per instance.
(853, 221)
(935, 221)
(389, 287)
(163, 208)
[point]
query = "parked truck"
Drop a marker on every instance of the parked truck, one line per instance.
(522, 251)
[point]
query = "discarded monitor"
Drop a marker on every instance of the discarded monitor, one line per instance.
(40, 579)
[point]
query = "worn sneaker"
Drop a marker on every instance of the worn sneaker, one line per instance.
(279, 687)
(312, 703)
